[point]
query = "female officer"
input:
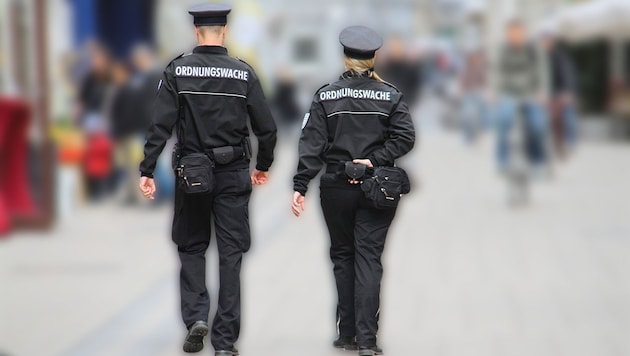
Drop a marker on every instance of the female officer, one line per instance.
(363, 120)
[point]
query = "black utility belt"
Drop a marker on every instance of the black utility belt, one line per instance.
(382, 186)
(220, 156)
(195, 171)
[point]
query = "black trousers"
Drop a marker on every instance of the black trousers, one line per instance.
(228, 207)
(357, 235)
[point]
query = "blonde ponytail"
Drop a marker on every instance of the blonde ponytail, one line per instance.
(362, 66)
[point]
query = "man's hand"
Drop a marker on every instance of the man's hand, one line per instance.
(365, 162)
(147, 187)
(259, 177)
(297, 206)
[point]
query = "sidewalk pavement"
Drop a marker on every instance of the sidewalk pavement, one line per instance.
(464, 275)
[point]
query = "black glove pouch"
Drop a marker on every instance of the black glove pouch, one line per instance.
(355, 171)
(223, 155)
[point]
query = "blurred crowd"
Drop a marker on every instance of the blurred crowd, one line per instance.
(113, 108)
(531, 76)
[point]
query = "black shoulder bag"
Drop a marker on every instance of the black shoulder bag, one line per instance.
(386, 186)
(195, 171)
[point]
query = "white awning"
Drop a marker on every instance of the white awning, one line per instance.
(592, 20)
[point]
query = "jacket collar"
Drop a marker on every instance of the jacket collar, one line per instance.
(210, 49)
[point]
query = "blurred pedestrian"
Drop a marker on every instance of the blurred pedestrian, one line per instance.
(93, 90)
(474, 97)
(145, 80)
(563, 95)
(209, 96)
(522, 86)
(284, 101)
(124, 126)
(400, 69)
(355, 126)
(91, 118)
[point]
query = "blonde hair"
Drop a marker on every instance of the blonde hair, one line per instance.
(361, 66)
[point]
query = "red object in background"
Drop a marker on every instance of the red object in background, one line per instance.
(15, 195)
(98, 156)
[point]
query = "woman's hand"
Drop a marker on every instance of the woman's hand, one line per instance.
(297, 206)
(365, 162)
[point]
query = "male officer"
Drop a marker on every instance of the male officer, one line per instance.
(209, 96)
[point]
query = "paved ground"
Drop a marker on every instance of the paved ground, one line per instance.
(465, 275)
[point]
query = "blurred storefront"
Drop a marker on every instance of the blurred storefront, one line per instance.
(598, 36)
(26, 162)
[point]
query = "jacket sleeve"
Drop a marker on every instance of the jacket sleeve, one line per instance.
(311, 148)
(262, 123)
(401, 137)
(165, 115)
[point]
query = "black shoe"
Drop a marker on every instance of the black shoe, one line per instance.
(196, 334)
(346, 343)
(370, 351)
(232, 352)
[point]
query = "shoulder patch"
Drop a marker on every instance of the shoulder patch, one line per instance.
(305, 120)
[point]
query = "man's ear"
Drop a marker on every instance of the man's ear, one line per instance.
(197, 31)
(224, 31)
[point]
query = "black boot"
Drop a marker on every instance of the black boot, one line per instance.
(231, 352)
(346, 343)
(196, 334)
(370, 351)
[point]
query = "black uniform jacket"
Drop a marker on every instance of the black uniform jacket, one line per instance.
(355, 117)
(217, 94)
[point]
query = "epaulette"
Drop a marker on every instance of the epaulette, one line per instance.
(322, 87)
(176, 58)
(247, 64)
(391, 85)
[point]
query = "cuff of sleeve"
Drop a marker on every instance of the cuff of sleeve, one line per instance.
(262, 167)
(148, 175)
(300, 190)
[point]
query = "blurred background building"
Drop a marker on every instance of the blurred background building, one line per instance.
(46, 49)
